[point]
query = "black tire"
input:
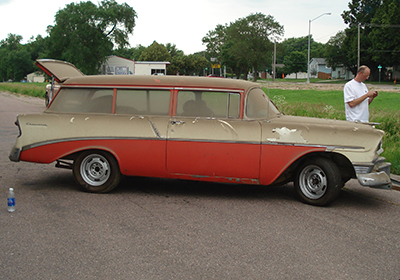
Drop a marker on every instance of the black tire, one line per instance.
(318, 182)
(97, 171)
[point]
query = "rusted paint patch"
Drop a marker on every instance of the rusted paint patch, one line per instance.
(287, 135)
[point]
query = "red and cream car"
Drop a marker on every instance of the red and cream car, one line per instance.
(219, 130)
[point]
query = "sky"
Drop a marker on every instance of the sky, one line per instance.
(184, 22)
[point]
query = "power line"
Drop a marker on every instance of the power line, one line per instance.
(381, 25)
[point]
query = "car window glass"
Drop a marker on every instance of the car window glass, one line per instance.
(141, 101)
(234, 105)
(208, 104)
(78, 100)
(258, 105)
(100, 101)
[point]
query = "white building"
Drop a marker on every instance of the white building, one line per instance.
(35, 77)
(115, 65)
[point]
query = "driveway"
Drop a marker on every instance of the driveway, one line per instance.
(168, 229)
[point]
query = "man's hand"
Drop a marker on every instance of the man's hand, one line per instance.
(370, 95)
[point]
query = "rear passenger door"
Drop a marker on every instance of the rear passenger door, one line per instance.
(207, 138)
(144, 115)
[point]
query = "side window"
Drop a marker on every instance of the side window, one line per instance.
(208, 104)
(258, 105)
(79, 100)
(143, 102)
(234, 105)
(100, 101)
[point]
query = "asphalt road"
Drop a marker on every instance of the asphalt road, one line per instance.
(165, 229)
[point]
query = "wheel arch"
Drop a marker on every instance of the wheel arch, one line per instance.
(73, 156)
(343, 163)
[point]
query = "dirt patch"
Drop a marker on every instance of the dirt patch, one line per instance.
(24, 98)
(325, 86)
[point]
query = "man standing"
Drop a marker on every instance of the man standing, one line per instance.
(357, 97)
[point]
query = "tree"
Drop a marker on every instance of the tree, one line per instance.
(245, 43)
(85, 34)
(37, 47)
(384, 35)
(297, 48)
(194, 64)
(295, 62)
(15, 62)
(360, 14)
(335, 52)
(155, 52)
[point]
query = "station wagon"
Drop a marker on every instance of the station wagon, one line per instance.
(193, 128)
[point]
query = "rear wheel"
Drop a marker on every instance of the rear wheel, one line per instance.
(318, 182)
(97, 171)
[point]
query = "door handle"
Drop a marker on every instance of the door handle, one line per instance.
(177, 122)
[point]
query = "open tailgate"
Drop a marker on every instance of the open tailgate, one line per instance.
(60, 70)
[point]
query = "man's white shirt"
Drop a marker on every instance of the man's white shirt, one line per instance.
(353, 90)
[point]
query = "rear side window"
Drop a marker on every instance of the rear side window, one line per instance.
(208, 104)
(83, 101)
(128, 101)
(143, 102)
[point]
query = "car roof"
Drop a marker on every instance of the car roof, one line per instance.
(160, 81)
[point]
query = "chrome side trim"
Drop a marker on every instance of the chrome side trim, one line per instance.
(214, 141)
(328, 148)
(39, 144)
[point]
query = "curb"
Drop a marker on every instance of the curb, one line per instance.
(395, 182)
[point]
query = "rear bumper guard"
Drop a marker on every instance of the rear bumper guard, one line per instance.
(14, 154)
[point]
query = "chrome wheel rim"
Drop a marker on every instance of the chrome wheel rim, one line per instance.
(95, 170)
(313, 182)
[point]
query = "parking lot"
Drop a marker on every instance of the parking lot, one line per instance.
(166, 229)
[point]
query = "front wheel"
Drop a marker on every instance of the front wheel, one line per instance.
(96, 171)
(318, 182)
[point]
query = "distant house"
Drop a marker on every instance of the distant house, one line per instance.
(115, 65)
(342, 72)
(151, 67)
(35, 77)
(318, 68)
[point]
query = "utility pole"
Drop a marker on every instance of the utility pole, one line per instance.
(358, 60)
(274, 63)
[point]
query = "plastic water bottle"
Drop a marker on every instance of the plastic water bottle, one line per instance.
(11, 200)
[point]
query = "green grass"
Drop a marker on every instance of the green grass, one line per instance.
(31, 89)
(385, 110)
